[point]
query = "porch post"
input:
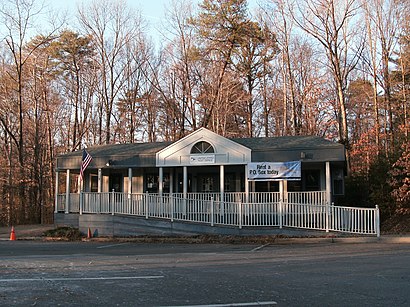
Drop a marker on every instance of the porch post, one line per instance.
(171, 191)
(185, 189)
(161, 180)
(81, 186)
(281, 199)
(328, 195)
(328, 184)
(171, 181)
(56, 196)
(285, 191)
(99, 188)
(222, 181)
(185, 182)
(67, 192)
(246, 184)
(129, 202)
(129, 181)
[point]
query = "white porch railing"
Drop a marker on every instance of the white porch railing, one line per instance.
(306, 210)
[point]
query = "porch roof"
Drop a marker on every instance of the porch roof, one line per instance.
(287, 142)
(117, 155)
(293, 148)
(267, 149)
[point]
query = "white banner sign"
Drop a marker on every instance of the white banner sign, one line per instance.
(265, 171)
(203, 159)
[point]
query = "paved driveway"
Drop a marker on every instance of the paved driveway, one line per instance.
(133, 274)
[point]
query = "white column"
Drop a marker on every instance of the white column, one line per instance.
(80, 184)
(129, 181)
(222, 181)
(99, 180)
(129, 202)
(281, 190)
(281, 200)
(246, 184)
(67, 192)
(171, 190)
(56, 192)
(185, 189)
(285, 190)
(161, 181)
(171, 181)
(328, 195)
(185, 182)
(328, 184)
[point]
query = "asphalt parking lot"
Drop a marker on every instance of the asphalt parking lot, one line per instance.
(38, 273)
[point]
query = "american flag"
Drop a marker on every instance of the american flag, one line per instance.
(84, 162)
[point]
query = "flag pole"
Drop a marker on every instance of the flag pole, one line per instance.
(85, 160)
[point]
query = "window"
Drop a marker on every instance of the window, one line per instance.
(94, 183)
(208, 184)
(151, 183)
(202, 148)
(312, 180)
(269, 186)
(338, 182)
(116, 182)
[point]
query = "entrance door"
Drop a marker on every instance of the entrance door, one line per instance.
(208, 183)
(116, 183)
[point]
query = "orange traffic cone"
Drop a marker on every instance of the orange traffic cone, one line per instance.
(12, 234)
(89, 235)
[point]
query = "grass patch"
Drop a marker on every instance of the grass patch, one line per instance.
(64, 233)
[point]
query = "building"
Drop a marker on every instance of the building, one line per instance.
(169, 179)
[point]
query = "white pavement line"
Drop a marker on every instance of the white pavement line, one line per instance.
(81, 278)
(269, 303)
(259, 247)
(111, 245)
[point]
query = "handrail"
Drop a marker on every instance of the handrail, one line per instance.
(305, 210)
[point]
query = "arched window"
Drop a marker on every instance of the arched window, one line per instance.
(202, 148)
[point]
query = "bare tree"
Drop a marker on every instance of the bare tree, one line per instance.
(182, 64)
(19, 19)
(283, 24)
(112, 26)
(332, 24)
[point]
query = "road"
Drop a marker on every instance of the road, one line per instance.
(36, 273)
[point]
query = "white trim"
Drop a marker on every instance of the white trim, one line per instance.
(226, 151)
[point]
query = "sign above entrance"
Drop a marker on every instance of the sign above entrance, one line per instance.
(202, 159)
(266, 171)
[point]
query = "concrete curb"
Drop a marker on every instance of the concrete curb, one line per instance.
(325, 240)
(33, 233)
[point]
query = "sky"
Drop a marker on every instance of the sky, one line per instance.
(153, 11)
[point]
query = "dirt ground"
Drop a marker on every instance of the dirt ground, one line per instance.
(397, 224)
(25, 231)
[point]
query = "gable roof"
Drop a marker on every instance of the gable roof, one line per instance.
(283, 148)
(225, 152)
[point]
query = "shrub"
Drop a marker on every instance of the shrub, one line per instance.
(68, 233)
